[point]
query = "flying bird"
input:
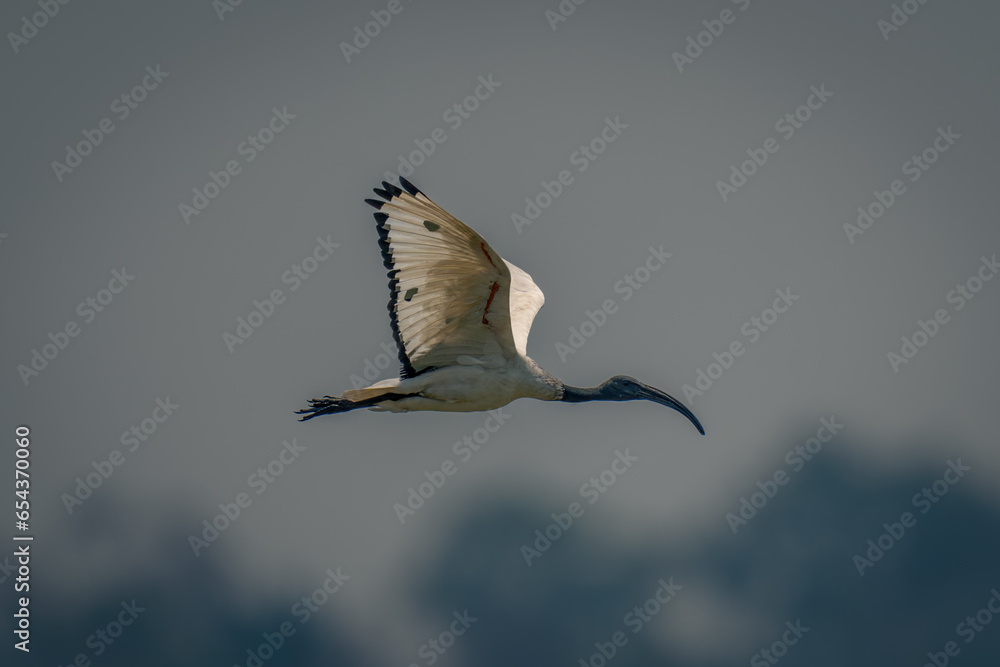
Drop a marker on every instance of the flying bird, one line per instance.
(460, 317)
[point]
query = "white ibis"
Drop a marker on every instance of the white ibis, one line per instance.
(460, 316)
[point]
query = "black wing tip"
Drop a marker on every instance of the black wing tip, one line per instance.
(384, 194)
(409, 187)
(391, 189)
(380, 218)
(375, 202)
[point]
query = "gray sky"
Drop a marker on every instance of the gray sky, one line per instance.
(884, 103)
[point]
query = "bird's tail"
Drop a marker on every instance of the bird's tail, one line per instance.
(358, 395)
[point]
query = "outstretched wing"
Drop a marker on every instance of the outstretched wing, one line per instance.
(525, 302)
(449, 290)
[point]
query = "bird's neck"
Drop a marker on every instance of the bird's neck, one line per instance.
(582, 394)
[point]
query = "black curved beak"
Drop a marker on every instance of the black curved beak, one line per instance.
(663, 398)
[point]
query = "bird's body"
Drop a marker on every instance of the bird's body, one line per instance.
(469, 388)
(460, 316)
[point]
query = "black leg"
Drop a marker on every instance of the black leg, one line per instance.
(328, 405)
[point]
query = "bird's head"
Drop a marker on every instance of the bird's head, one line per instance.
(625, 388)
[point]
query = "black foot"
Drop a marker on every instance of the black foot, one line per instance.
(327, 405)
